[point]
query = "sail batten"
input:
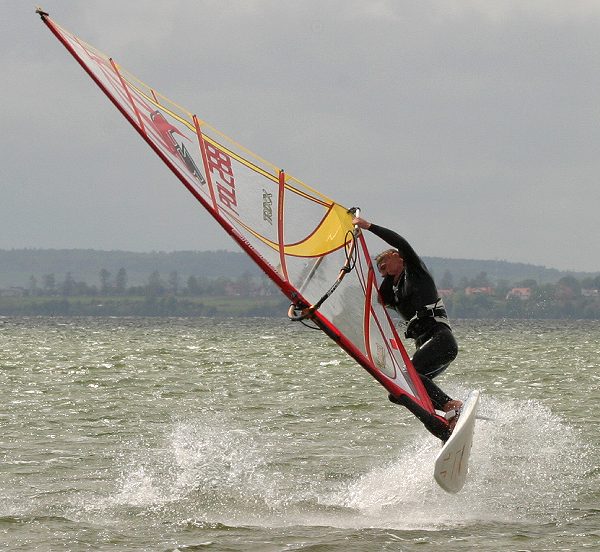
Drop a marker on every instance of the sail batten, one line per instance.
(298, 236)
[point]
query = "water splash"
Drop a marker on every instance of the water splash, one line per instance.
(526, 464)
(207, 463)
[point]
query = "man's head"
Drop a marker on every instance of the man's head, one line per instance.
(390, 263)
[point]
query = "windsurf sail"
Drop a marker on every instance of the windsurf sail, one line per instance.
(303, 241)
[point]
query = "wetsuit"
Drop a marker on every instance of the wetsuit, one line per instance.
(415, 297)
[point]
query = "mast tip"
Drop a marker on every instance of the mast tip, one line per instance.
(41, 12)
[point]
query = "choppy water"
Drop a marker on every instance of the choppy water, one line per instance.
(254, 434)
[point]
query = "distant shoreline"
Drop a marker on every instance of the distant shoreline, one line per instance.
(276, 306)
(211, 306)
(223, 283)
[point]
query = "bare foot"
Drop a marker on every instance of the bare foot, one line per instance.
(452, 408)
(452, 405)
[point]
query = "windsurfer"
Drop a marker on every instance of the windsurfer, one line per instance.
(408, 287)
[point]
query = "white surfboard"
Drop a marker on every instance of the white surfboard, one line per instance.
(452, 463)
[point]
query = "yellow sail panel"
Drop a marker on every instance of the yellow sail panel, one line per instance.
(329, 236)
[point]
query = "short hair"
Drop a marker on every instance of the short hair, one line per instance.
(384, 254)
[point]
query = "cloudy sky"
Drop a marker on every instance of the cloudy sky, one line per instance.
(471, 127)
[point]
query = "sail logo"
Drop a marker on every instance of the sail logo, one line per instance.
(219, 164)
(167, 133)
(267, 207)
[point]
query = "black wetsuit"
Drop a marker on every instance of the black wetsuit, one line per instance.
(416, 298)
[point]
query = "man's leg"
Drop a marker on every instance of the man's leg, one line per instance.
(437, 396)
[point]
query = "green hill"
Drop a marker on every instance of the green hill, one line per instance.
(17, 266)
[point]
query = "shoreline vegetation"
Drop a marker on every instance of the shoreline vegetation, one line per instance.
(564, 300)
(217, 306)
(459, 307)
(223, 284)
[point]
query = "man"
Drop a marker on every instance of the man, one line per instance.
(408, 287)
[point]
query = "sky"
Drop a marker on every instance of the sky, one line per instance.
(472, 128)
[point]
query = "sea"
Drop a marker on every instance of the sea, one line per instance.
(255, 434)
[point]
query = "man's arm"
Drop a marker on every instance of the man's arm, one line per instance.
(391, 237)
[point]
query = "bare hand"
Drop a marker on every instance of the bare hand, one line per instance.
(361, 223)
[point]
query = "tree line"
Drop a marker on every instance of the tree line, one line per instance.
(245, 295)
(476, 297)
(156, 286)
(569, 297)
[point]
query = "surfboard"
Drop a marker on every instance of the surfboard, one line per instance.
(452, 462)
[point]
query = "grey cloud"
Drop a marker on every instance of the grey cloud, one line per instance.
(470, 127)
